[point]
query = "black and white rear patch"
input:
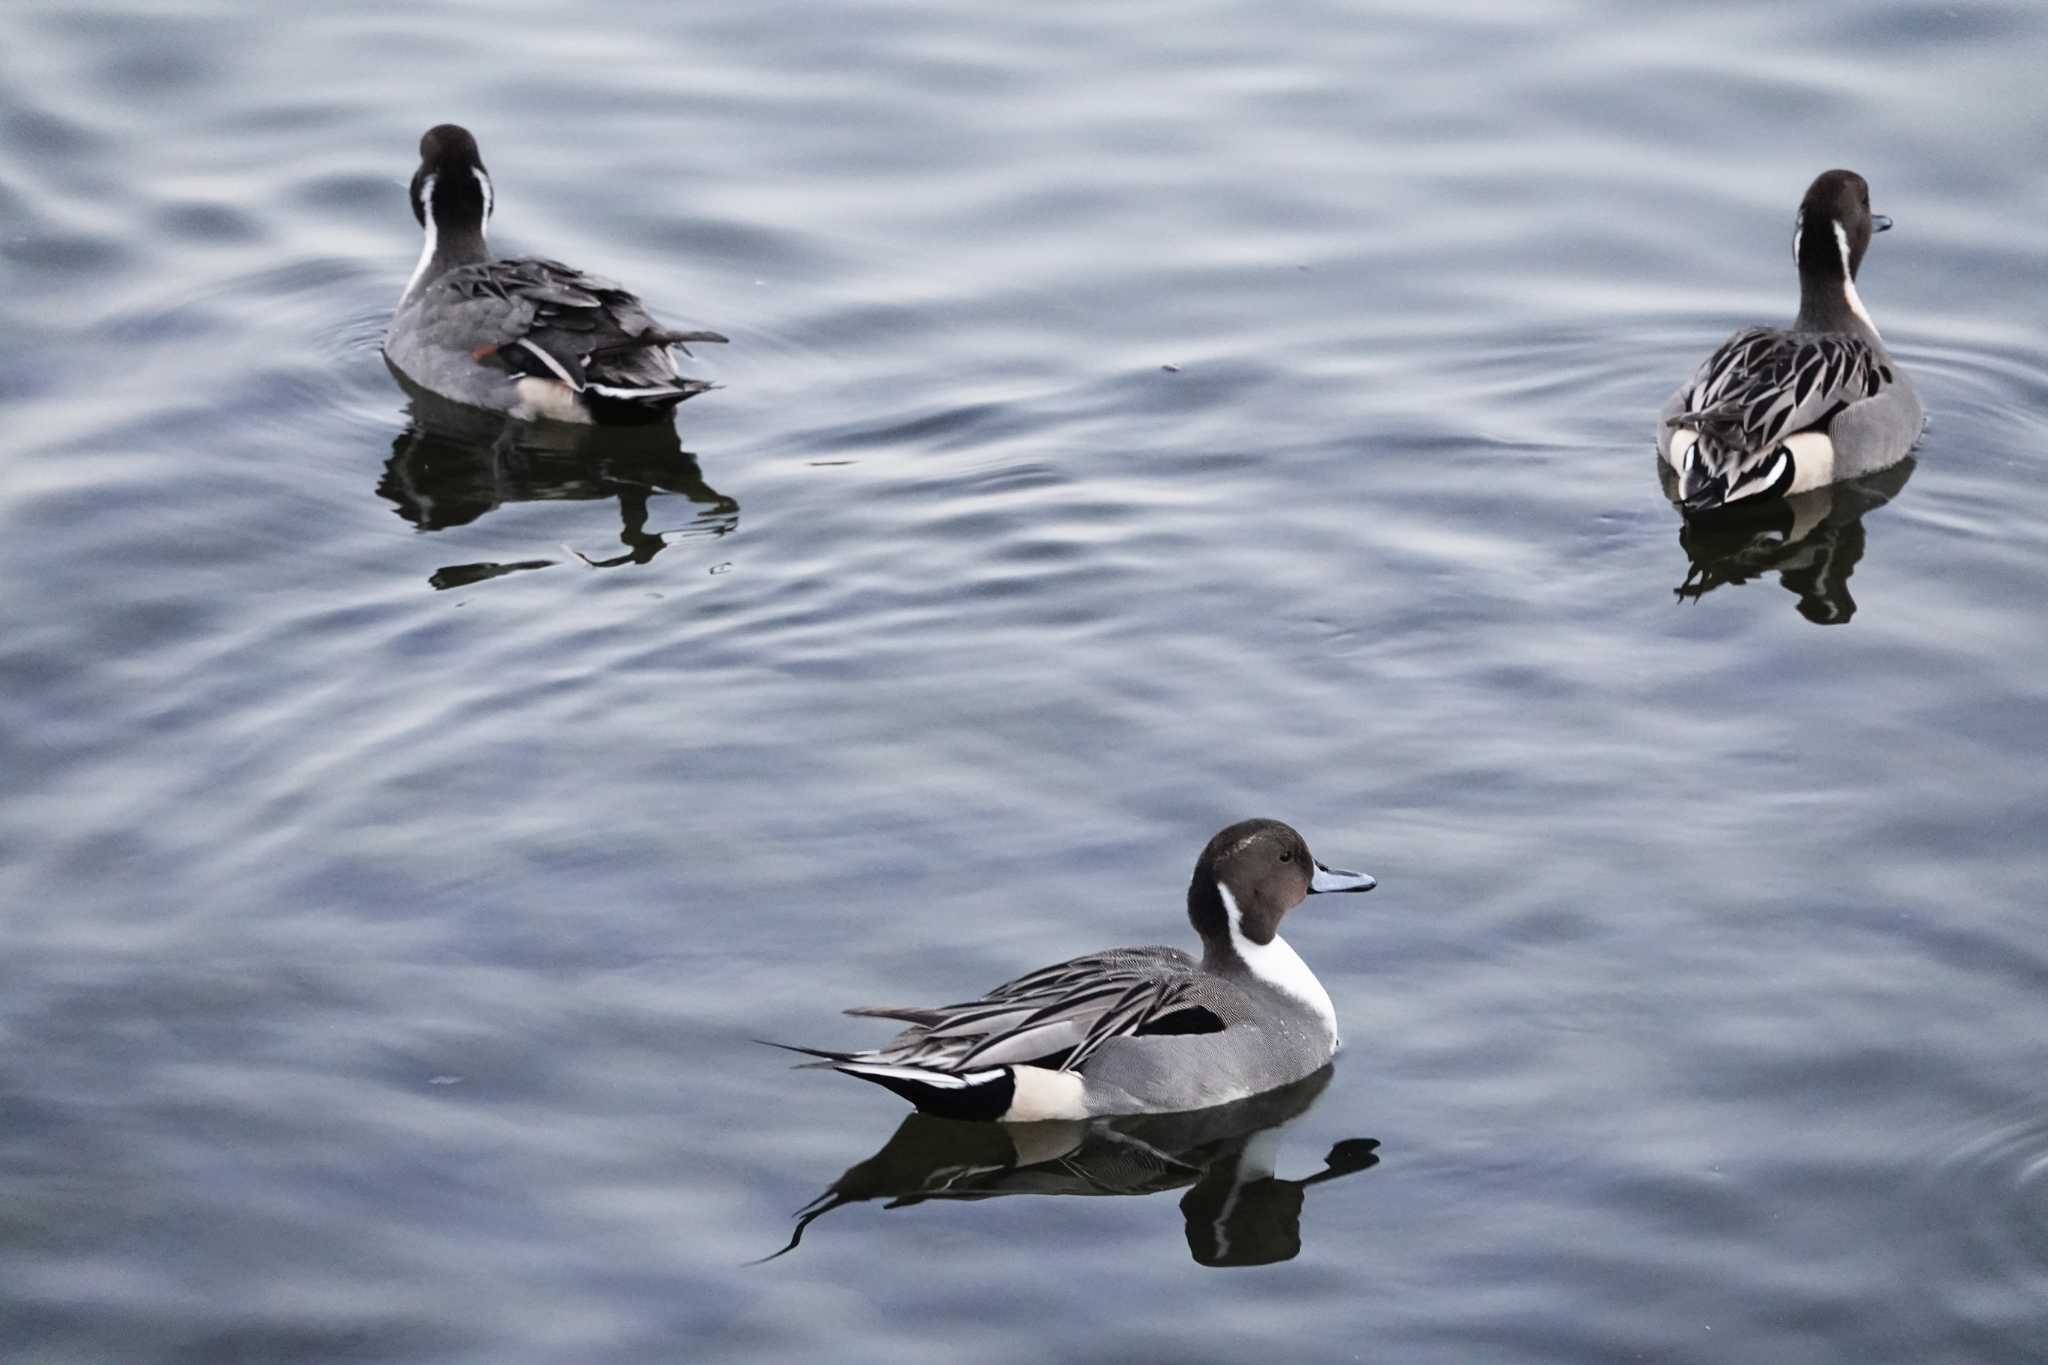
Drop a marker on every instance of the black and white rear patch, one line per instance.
(981, 1096)
(1769, 480)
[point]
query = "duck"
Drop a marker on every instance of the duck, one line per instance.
(525, 336)
(1134, 1030)
(1781, 410)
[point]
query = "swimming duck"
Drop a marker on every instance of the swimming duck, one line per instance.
(1780, 410)
(525, 336)
(1136, 1030)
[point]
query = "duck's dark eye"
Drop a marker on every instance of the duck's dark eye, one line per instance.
(1287, 857)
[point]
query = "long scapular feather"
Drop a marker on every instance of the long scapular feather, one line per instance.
(1132, 1009)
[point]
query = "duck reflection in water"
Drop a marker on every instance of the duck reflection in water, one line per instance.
(452, 465)
(1811, 540)
(1236, 1211)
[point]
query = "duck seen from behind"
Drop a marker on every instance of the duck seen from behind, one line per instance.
(527, 336)
(1136, 1030)
(1780, 410)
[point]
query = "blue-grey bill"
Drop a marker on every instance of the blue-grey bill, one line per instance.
(1880, 223)
(1336, 879)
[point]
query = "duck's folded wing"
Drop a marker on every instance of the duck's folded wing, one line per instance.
(557, 322)
(1762, 386)
(1154, 960)
(1056, 1016)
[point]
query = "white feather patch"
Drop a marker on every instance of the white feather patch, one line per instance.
(1279, 966)
(1849, 294)
(1682, 441)
(942, 1080)
(1766, 474)
(548, 398)
(427, 250)
(540, 353)
(484, 228)
(1813, 460)
(1043, 1094)
(613, 391)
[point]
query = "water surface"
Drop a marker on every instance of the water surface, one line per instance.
(1137, 417)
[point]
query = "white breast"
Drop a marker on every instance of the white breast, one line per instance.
(1279, 966)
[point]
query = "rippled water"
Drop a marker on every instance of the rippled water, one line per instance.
(1137, 416)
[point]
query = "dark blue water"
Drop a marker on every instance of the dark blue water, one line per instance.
(1137, 417)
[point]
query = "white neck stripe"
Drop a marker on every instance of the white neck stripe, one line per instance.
(1277, 964)
(427, 249)
(483, 227)
(1849, 295)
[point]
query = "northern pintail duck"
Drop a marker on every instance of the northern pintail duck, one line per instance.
(1136, 1030)
(1780, 410)
(526, 336)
